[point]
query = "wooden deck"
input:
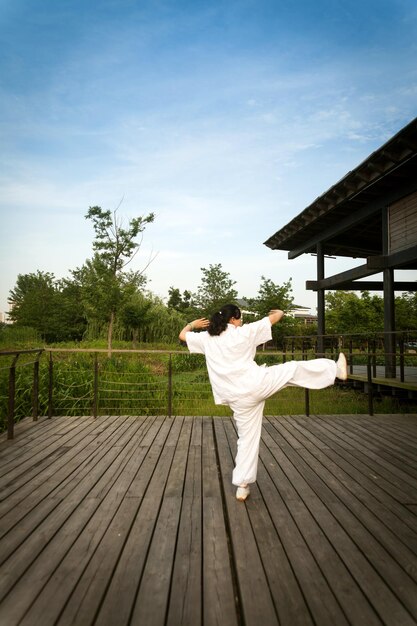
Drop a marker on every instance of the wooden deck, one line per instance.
(125, 520)
(409, 384)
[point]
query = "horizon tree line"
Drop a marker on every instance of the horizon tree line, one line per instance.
(105, 299)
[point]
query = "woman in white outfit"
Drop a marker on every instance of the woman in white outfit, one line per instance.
(239, 382)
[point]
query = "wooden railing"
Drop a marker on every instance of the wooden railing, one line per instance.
(11, 398)
(90, 383)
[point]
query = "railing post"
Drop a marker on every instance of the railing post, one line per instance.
(170, 386)
(50, 385)
(374, 358)
(307, 401)
(95, 386)
(284, 351)
(370, 389)
(35, 398)
(351, 356)
(12, 390)
(401, 342)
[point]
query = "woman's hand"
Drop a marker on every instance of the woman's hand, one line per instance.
(275, 315)
(199, 324)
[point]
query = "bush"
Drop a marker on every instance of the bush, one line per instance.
(12, 336)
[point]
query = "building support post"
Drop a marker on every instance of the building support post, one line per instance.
(321, 325)
(389, 303)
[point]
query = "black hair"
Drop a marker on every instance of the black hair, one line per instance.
(220, 319)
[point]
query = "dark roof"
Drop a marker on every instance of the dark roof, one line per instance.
(333, 218)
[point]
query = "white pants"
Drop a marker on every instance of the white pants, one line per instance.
(248, 410)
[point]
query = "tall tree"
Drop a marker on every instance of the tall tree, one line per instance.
(33, 303)
(273, 296)
(50, 306)
(114, 247)
(179, 302)
(215, 290)
(406, 311)
(136, 315)
(347, 312)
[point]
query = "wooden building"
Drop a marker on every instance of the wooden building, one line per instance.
(370, 214)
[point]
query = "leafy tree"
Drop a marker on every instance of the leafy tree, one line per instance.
(102, 293)
(406, 311)
(49, 306)
(215, 290)
(104, 283)
(179, 302)
(136, 315)
(273, 296)
(147, 319)
(164, 323)
(346, 312)
(70, 312)
(33, 303)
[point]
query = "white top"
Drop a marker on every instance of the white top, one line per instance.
(230, 357)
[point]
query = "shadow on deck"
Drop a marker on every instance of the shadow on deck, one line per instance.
(125, 520)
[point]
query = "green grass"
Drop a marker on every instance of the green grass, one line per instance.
(339, 399)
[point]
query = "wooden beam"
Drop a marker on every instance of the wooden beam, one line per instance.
(333, 281)
(393, 260)
(363, 285)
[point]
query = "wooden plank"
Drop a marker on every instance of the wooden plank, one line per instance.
(345, 534)
(399, 458)
(392, 450)
(403, 222)
(16, 488)
(30, 566)
(186, 601)
(331, 594)
(137, 522)
(373, 431)
(339, 471)
(153, 595)
(386, 382)
(54, 595)
(287, 594)
(392, 481)
(255, 600)
(44, 492)
(361, 473)
(119, 601)
(47, 434)
(91, 581)
(45, 453)
(219, 605)
(396, 537)
(25, 431)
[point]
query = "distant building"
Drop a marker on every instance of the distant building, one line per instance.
(244, 307)
(303, 314)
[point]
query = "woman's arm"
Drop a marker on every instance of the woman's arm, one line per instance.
(195, 325)
(275, 316)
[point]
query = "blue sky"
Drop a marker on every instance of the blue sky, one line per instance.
(225, 118)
